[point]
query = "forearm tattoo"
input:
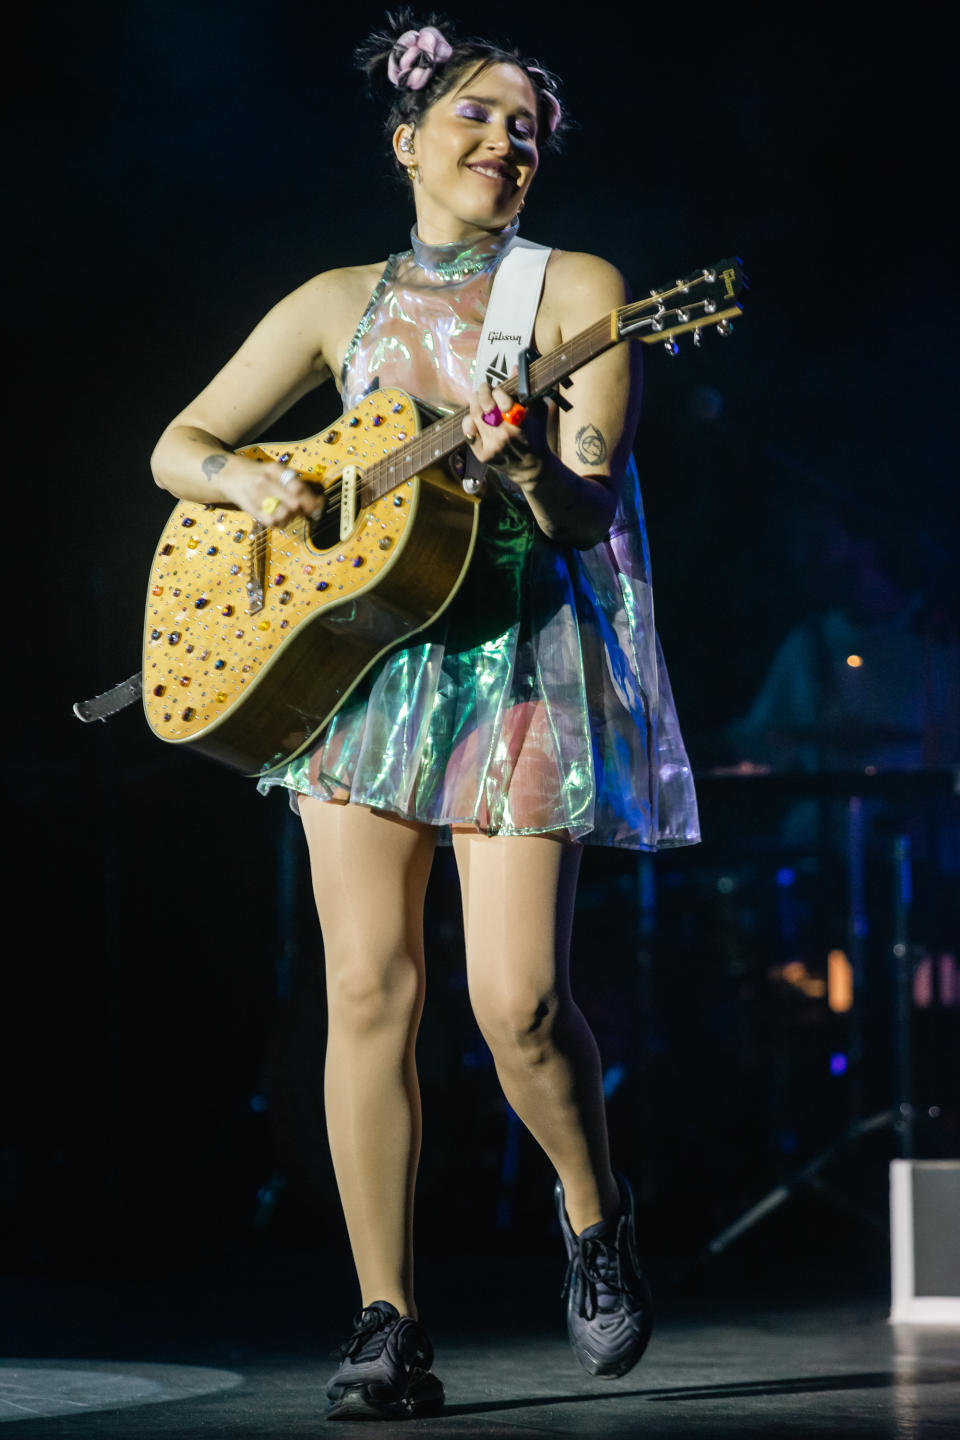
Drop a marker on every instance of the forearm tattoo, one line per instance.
(212, 466)
(591, 446)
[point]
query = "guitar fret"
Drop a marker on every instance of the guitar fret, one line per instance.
(446, 435)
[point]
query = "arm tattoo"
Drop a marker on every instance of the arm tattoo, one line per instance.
(213, 465)
(591, 446)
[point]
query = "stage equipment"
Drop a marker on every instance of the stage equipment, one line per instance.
(854, 787)
(925, 1242)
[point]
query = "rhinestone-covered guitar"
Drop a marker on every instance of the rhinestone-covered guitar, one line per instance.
(254, 637)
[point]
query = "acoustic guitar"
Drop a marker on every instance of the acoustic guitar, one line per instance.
(255, 636)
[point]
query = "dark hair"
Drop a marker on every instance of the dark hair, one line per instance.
(408, 106)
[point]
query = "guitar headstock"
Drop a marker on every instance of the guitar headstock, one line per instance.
(705, 299)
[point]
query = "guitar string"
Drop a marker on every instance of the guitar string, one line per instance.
(580, 349)
(450, 426)
(405, 455)
(448, 431)
(584, 342)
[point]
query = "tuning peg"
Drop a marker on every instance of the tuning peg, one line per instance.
(724, 328)
(697, 338)
(671, 347)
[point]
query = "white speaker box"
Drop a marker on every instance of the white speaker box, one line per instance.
(925, 1242)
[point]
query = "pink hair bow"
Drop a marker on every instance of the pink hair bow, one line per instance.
(415, 57)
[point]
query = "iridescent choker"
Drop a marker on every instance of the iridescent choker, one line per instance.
(457, 261)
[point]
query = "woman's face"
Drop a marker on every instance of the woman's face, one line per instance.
(476, 151)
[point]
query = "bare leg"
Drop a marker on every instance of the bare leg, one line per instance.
(369, 877)
(518, 895)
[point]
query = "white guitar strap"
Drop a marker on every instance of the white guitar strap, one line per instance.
(511, 310)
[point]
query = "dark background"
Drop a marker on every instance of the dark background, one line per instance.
(181, 166)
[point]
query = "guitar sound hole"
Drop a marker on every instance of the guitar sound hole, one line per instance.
(325, 532)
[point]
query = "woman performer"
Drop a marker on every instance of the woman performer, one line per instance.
(533, 716)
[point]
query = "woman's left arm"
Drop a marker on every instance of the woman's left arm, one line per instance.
(572, 488)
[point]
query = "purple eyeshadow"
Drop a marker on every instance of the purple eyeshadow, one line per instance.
(523, 128)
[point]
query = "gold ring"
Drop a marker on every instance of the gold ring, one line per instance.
(270, 505)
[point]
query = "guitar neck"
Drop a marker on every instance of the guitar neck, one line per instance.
(433, 445)
(704, 298)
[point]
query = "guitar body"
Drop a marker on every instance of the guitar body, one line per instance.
(255, 637)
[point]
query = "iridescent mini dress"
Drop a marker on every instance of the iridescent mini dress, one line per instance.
(538, 702)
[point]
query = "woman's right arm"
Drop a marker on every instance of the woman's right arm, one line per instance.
(291, 351)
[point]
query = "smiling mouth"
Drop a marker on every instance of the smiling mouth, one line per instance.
(493, 171)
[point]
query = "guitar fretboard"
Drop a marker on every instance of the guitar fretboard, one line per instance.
(687, 304)
(442, 438)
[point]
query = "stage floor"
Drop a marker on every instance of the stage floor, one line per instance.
(202, 1363)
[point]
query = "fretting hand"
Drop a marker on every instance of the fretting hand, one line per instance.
(516, 451)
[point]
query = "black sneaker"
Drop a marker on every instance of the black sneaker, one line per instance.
(609, 1305)
(385, 1369)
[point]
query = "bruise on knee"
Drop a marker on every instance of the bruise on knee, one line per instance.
(515, 1024)
(539, 1015)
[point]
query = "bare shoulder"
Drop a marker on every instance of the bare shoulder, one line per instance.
(577, 289)
(338, 299)
(328, 299)
(312, 325)
(574, 272)
(331, 286)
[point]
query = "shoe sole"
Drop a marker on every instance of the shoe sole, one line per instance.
(423, 1397)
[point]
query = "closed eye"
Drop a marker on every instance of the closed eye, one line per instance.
(523, 125)
(473, 112)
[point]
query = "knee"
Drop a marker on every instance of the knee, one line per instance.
(370, 993)
(519, 1024)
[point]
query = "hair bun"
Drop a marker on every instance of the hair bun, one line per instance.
(374, 54)
(420, 60)
(415, 56)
